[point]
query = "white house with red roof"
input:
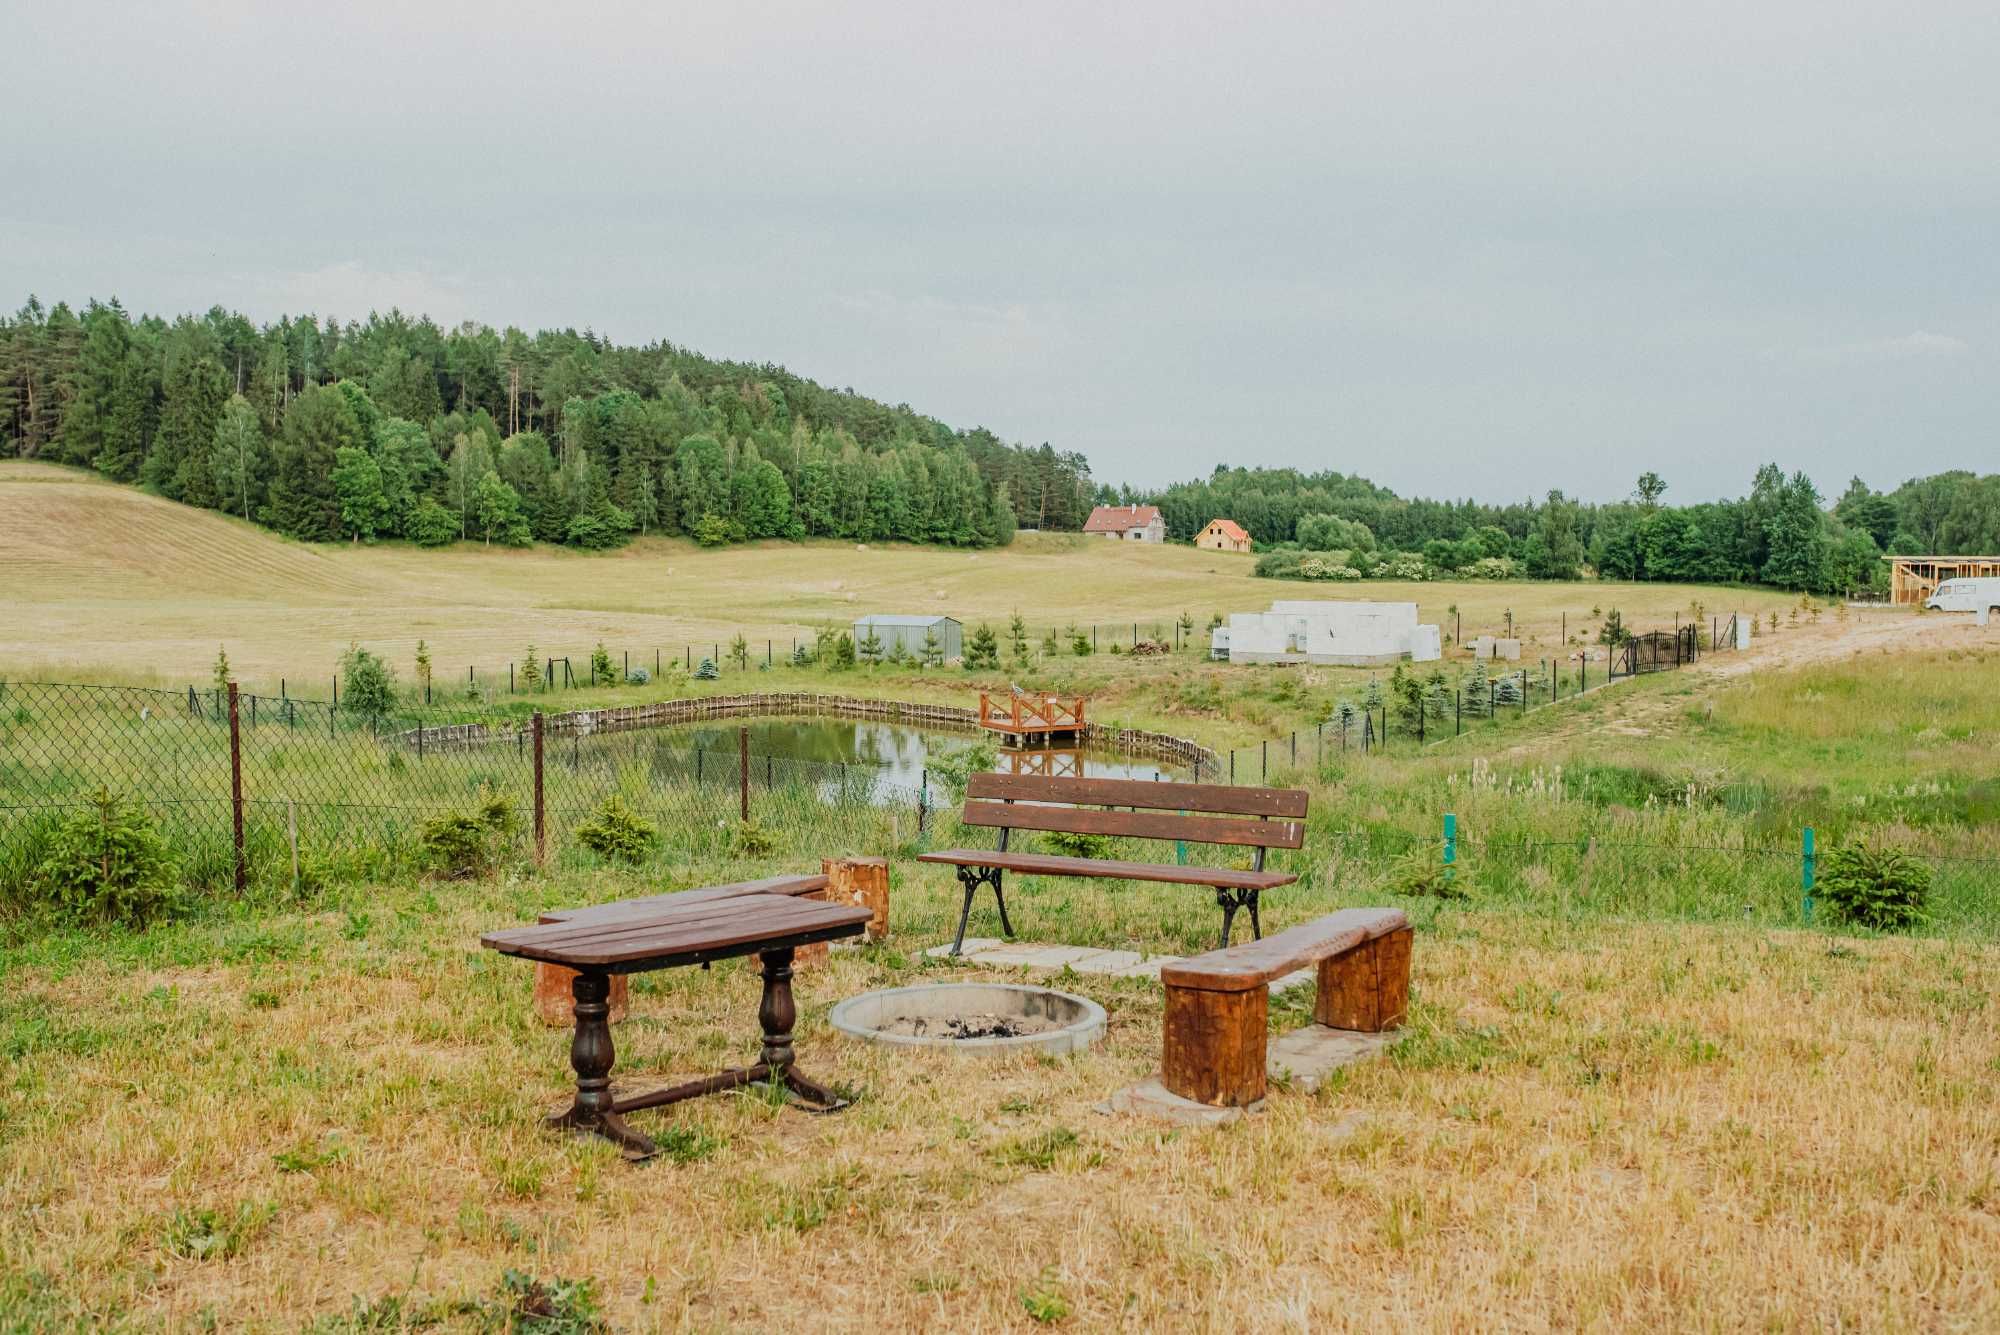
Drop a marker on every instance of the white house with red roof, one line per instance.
(1127, 523)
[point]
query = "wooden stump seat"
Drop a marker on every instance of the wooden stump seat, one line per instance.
(1185, 813)
(1218, 1004)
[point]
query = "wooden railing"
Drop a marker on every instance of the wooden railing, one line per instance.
(1021, 712)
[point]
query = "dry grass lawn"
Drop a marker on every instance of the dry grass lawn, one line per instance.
(1586, 1124)
(104, 579)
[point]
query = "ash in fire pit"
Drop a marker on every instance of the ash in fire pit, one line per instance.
(961, 1027)
(973, 1017)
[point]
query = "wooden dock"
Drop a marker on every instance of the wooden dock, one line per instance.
(1033, 719)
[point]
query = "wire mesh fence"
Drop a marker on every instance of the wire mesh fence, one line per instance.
(272, 790)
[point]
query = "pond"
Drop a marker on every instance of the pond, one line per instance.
(899, 752)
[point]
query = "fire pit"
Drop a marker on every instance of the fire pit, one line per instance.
(973, 1017)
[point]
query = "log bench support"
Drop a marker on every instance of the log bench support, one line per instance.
(1216, 1028)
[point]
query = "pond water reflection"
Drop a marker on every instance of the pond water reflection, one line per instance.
(900, 752)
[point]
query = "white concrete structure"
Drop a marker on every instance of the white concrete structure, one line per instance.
(1743, 624)
(1487, 646)
(1333, 632)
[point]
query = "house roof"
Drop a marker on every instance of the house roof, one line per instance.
(1118, 518)
(902, 620)
(1230, 529)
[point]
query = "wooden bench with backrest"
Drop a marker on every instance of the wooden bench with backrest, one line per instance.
(1218, 1004)
(1187, 813)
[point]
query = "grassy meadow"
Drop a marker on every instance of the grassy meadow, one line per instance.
(1637, 1088)
(109, 580)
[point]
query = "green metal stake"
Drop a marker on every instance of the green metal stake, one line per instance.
(1809, 863)
(1450, 844)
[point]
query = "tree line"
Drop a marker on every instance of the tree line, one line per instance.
(1781, 532)
(397, 428)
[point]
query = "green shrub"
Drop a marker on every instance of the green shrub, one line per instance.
(617, 831)
(1880, 888)
(107, 864)
(458, 847)
(751, 840)
(706, 670)
(1077, 845)
(602, 671)
(552, 1307)
(1421, 874)
(367, 685)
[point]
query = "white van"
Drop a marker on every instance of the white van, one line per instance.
(1966, 595)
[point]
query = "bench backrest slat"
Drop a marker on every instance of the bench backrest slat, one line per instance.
(1136, 824)
(1208, 798)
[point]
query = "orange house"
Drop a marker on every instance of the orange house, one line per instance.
(1223, 535)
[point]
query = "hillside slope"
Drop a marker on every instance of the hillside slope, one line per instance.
(107, 582)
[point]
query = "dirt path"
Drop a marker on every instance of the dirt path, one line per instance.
(1793, 646)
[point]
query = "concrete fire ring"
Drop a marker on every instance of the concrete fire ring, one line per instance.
(1079, 1020)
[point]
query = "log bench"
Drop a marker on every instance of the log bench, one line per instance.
(669, 932)
(1185, 813)
(1218, 1004)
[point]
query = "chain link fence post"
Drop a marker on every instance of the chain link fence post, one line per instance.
(541, 811)
(236, 788)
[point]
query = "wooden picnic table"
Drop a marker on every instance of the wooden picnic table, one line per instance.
(667, 933)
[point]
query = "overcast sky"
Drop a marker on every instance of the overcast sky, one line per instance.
(1479, 249)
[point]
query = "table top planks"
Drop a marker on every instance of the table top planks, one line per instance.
(682, 931)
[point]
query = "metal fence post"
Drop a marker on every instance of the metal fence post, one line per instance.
(1808, 864)
(541, 820)
(1450, 845)
(923, 801)
(743, 769)
(236, 788)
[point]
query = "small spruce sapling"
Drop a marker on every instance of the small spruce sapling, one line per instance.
(739, 652)
(531, 669)
(933, 651)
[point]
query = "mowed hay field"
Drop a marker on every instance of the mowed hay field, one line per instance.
(103, 579)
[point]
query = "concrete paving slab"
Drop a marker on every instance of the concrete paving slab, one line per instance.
(1307, 1056)
(1146, 968)
(972, 943)
(1105, 961)
(1150, 1098)
(1292, 980)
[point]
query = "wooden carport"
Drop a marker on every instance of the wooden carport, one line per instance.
(1912, 579)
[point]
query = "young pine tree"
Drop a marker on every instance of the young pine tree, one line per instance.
(221, 669)
(424, 668)
(870, 648)
(1017, 635)
(739, 652)
(984, 651)
(531, 669)
(933, 650)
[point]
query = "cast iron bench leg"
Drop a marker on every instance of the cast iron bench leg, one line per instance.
(1229, 901)
(591, 1055)
(777, 1013)
(972, 878)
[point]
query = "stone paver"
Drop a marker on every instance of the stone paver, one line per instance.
(972, 944)
(1307, 1056)
(1106, 961)
(1150, 1098)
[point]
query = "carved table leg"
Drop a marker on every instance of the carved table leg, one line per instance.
(777, 1013)
(591, 1055)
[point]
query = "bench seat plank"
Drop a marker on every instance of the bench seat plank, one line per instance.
(1050, 864)
(651, 904)
(1256, 963)
(716, 928)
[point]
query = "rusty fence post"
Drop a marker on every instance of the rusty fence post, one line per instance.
(236, 788)
(541, 826)
(743, 769)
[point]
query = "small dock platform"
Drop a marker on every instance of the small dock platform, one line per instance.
(1033, 719)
